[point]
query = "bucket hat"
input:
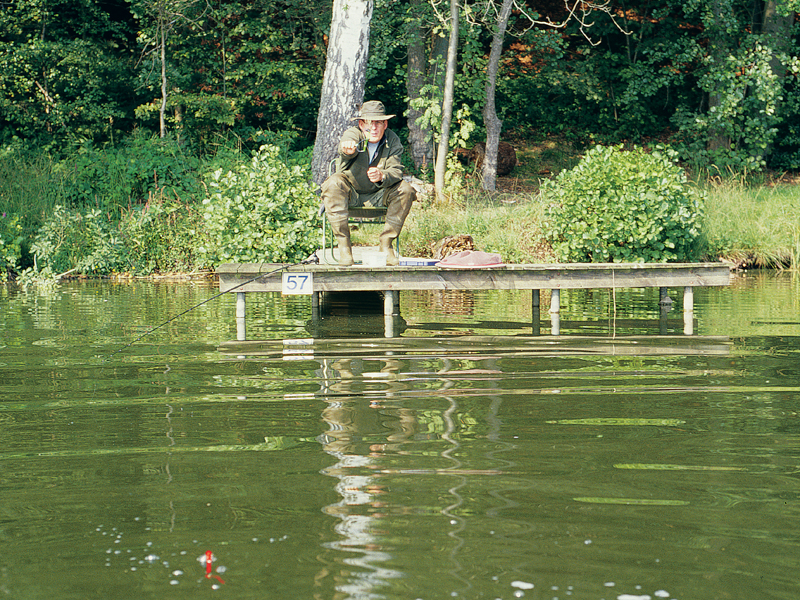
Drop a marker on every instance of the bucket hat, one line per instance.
(374, 110)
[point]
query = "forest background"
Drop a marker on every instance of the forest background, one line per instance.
(172, 135)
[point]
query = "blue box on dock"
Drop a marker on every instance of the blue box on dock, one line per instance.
(417, 262)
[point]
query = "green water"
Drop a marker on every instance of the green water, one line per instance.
(465, 458)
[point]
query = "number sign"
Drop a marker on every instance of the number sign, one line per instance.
(297, 283)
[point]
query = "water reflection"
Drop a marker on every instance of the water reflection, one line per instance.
(362, 574)
(375, 439)
(357, 439)
(464, 458)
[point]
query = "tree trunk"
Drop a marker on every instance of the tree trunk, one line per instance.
(719, 47)
(447, 103)
(162, 113)
(344, 79)
(436, 75)
(491, 120)
(420, 148)
(424, 68)
(778, 30)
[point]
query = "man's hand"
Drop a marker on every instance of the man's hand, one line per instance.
(374, 175)
(349, 147)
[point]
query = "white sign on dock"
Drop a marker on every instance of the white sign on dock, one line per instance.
(297, 284)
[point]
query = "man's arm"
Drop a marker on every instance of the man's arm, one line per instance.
(348, 145)
(392, 166)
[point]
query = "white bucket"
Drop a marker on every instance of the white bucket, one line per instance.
(374, 259)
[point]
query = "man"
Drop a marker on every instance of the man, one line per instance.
(368, 172)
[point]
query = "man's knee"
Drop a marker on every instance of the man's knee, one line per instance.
(404, 193)
(335, 183)
(407, 191)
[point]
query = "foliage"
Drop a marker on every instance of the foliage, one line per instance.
(157, 236)
(77, 76)
(747, 114)
(753, 225)
(115, 178)
(232, 65)
(623, 206)
(44, 280)
(262, 211)
(76, 241)
(29, 189)
(65, 72)
(11, 240)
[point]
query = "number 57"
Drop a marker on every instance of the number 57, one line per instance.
(297, 283)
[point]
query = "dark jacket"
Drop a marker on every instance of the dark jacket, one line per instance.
(387, 159)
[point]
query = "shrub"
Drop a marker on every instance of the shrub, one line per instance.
(157, 236)
(71, 240)
(264, 211)
(11, 241)
(117, 178)
(623, 206)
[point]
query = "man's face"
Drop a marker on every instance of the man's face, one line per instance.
(373, 130)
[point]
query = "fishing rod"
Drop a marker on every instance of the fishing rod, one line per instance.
(310, 260)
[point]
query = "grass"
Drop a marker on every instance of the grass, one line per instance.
(28, 187)
(751, 225)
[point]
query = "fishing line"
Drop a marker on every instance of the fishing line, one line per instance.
(310, 260)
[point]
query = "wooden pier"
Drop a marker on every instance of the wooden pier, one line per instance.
(314, 279)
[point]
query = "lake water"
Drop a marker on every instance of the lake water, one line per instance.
(465, 458)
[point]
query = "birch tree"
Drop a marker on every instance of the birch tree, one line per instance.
(344, 79)
(447, 103)
(491, 121)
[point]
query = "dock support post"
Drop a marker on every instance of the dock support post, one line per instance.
(555, 301)
(664, 306)
(555, 323)
(388, 326)
(535, 316)
(241, 330)
(688, 310)
(315, 306)
(391, 303)
(555, 312)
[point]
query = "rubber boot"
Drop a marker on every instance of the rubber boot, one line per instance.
(341, 229)
(399, 201)
(388, 236)
(335, 197)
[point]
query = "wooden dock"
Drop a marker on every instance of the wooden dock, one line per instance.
(314, 279)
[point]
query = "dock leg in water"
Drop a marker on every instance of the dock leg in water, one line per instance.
(241, 330)
(555, 312)
(315, 306)
(391, 303)
(555, 301)
(688, 310)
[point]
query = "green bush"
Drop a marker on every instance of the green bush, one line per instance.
(75, 241)
(623, 206)
(12, 238)
(117, 178)
(263, 211)
(158, 236)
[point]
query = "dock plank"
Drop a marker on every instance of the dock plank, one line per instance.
(328, 278)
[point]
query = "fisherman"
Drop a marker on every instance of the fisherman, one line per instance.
(368, 173)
